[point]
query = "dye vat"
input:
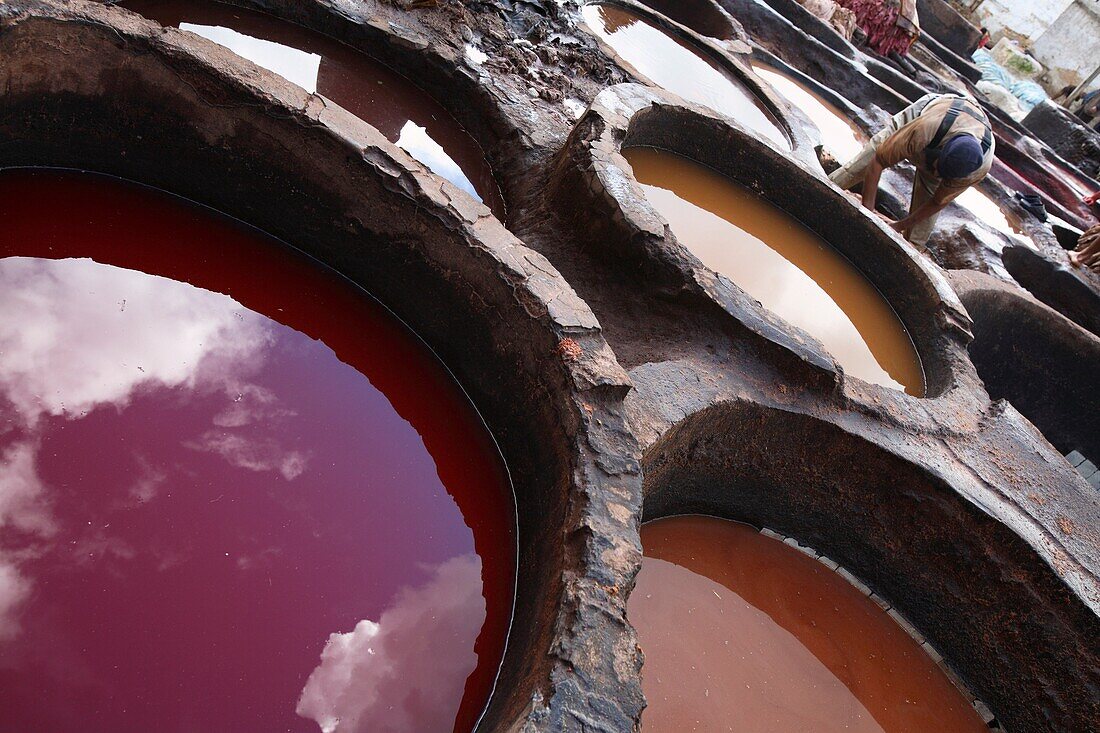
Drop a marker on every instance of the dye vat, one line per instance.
(236, 494)
(744, 633)
(778, 261)
(988, 212)
(406, 115)
(838, 134)
(678, 66)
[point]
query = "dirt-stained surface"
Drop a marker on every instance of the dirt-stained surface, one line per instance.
(622, 378)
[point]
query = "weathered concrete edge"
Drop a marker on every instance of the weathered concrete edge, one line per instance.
(610, 116)
(605, 492)
(802, 147)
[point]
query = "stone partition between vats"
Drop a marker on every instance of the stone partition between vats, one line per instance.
(98, 88)
(1067, 135)
(608, 361)
(941, 21)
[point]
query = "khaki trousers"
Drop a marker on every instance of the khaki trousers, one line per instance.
(851, 173)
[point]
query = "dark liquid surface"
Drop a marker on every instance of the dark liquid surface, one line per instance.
(677, 66)
(744, 633)
(776, 260)
(839, 135)
(236, 494)
(403, 113)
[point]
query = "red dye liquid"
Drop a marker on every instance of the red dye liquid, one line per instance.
(406, 115)
(235, 493)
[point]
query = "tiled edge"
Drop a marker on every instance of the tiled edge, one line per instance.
(980, 707)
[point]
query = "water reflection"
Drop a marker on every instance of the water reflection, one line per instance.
(743, 633)
(839, 136)
(361, 683)
(675, 65)
(295, 66)
(364, 87)
(776, 260)
(987, 211)
(194, 497)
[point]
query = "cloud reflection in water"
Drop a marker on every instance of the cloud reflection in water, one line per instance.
(363, 681)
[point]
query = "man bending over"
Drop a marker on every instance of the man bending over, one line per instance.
(949, 141)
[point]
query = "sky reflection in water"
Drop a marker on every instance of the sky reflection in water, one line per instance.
(199, 502)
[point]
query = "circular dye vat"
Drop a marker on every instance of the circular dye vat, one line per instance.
(775, 259)
(402, 112)
(676, 65)
(838, 134)
(236, 494)
(988, 212)
(742, 632)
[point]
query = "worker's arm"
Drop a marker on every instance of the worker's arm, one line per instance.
(870, 183)
(931, 207)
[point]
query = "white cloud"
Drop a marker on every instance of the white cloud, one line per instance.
(14, 588)
(408, 671)
(295, 66)
(416, 141)
(251, 453)
(22, 495)
(250, 404)
(77, 334)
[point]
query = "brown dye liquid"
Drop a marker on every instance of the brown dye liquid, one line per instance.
(744, 633)
(674, 64)
(403, 113)
(839, 135)
(776, 260)
(236, 494)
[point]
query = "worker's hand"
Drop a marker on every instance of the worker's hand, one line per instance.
(899, 226)
(1092, 199)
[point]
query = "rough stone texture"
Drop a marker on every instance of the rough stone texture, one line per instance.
(943, 22)
(733, 63)
(1036, 359)
(1063, 132)
(789, 31)
(94, 87)
(961, 64)
(694, 408)
(702, 16)
(1070, 290)
(954, 508)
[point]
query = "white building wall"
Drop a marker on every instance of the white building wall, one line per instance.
(1070, 47)
(1026, 19)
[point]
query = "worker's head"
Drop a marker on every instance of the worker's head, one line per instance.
(960, 156)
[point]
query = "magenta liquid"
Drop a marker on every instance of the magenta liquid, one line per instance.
(235, 493)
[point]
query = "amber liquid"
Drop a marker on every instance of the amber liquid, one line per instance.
(838, 134)
(744, 633)
(672, 63)
(776, 260)
(403, 113)
(236, 494)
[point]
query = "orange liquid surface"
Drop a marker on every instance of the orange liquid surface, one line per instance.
(744, 633)
(791, 271)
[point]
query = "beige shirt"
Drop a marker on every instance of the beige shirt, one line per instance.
(910, 142)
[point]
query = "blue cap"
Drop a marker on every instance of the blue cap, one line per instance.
(960, 156)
